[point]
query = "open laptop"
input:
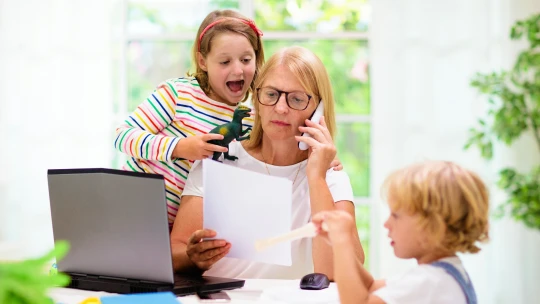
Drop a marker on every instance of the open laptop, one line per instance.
(116, 223)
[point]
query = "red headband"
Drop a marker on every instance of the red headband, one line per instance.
(248, 22)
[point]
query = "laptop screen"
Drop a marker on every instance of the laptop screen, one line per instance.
(116, 222)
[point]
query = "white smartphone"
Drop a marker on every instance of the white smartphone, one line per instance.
(315, 117)
(214, 297)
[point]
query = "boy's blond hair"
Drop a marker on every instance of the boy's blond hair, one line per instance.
(451, 201)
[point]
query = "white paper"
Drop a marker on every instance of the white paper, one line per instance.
(244, 206)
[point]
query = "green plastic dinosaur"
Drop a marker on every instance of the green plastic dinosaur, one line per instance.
(230, 131)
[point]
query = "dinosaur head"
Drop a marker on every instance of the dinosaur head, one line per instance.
(241, 112)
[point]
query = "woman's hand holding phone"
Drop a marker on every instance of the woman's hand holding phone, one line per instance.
(315, 117)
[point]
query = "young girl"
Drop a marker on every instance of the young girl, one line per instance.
(437, 209)
(169, 130)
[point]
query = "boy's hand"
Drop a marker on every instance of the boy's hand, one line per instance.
(336, 165)
(197, 147)
(339, 226)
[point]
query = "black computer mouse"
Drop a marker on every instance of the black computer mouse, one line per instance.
(314, 281)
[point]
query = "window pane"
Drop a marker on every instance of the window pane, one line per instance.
(150, 63)
(346, 63)
(353, 145)
(363, 220)
(172, 16)
(316, 16)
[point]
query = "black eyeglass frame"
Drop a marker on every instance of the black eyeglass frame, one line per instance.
(286, 98)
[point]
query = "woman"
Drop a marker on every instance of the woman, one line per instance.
(288, 89)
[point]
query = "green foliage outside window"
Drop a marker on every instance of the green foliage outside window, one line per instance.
(311, 15)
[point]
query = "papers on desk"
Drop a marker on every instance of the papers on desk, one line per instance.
(244, 206)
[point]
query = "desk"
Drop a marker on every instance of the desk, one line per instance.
(254, 291)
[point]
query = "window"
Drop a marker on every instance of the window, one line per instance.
(159, 35)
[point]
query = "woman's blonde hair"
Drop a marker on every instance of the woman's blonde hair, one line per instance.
(452, 203)
(232, 22)
(310, 72)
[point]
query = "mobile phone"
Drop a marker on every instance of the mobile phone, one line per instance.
(214, 297)
(315, 117)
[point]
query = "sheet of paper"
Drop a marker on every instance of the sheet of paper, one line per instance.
(244, 206)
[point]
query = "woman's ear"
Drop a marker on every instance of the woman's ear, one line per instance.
(202, 62)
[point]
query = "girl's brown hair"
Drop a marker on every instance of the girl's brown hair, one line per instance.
(229, 24)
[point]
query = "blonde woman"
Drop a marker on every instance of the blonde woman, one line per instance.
(287, 91)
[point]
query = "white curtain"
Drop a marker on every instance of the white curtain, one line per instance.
(423, 55)
(56, 103)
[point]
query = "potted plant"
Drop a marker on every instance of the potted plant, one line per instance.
(27, 281)
(514, 110)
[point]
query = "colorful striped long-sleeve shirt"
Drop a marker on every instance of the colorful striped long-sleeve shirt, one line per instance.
(178, 108)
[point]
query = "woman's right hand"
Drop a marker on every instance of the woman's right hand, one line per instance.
(205, 253)
(197, 147)
(322, 148)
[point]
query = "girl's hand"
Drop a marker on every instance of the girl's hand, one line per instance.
(197, 147)
(322, 148)
(339, 226)
(336, 165)
(205, 253)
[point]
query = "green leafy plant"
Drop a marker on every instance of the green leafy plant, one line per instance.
(514, 110)
(27, 282)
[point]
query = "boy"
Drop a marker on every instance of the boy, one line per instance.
(437, 209)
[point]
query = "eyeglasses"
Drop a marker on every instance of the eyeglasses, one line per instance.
(295, 100)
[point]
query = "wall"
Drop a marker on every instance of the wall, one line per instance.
(55, 106)
(423, 55)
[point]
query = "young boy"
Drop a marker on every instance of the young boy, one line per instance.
(437, 209)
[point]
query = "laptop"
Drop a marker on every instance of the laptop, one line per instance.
(116, 223)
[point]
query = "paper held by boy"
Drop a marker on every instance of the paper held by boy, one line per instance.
(308, 230)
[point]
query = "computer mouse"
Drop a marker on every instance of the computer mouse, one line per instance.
(314, 281)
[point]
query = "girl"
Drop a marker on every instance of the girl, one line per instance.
(169, 130)
(437, 209)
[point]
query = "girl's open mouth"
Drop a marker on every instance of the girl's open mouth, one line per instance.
(235, 86)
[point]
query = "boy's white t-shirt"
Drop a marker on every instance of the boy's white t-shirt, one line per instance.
(302, 262)
(425, 284)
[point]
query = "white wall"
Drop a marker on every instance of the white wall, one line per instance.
(55, 106)
(423, 55)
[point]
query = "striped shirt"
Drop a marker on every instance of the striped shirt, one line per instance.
(176, 109)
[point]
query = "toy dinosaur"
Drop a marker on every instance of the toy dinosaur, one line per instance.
(230, 131)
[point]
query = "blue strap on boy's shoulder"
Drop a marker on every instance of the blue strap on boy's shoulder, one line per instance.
(464, 283)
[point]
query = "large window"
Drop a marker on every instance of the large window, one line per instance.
(159, 35)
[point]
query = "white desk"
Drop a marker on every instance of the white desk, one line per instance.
(254, 291)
